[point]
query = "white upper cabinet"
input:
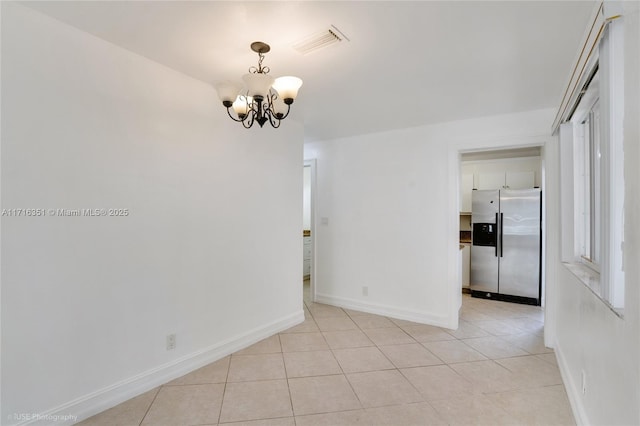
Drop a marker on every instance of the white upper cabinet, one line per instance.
(500, 173)
(506, 180)
(520, 180)
(466, 186)
(492, 180)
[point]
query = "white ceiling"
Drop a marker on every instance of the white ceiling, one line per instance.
(406, 64)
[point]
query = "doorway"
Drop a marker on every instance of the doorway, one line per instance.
(521, 327)
(308, 231)
(510, 169)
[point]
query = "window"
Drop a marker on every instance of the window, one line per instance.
(587, 184)
(593, 134)
(592, 186)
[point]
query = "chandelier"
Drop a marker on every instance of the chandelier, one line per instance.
(262, 98)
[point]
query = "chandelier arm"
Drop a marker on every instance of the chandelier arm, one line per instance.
(275, 123)
(272, 120)
(254, 108)
(270, 98)
(239, 120)
(287, 113)
(252, 112)
(269, 109)
(248, 121)
(255, 111)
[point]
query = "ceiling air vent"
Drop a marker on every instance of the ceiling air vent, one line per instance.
(319, 40)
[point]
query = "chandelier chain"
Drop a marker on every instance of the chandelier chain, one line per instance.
(260, 69)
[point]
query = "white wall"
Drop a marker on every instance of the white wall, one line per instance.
(589, 337)
(391, 201)
(88, 301)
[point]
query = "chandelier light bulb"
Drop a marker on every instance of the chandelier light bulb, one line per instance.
(257, 85)
(287, 87)
(242, 105)
(227, 92)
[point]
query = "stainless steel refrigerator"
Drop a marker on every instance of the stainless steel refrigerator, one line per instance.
(506, 245)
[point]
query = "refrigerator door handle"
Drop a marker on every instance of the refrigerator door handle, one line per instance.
(496, 243)
(501, 229)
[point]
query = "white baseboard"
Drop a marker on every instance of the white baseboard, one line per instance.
(385, 310)
(103, 399)
(572, 388)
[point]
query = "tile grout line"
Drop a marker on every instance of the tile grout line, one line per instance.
(286, 376)
(224, 389)
(347, 379)
(150, 405)
(378, 346)
(338, 362)
(385, 356)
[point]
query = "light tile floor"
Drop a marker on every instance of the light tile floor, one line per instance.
(343, 367)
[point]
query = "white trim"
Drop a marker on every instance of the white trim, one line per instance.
(95, 402)
(567, 194)
(454, 260)
(572, 389)
(312, 163)
(551, 249)
(613, 183)
(499, 160)
(386, 310)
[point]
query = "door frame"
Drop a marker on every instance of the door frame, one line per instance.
(545, 143)
(311, 163)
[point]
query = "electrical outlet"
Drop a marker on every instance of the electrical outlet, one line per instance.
(171, 341)
(365, 291)
(584, 382)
